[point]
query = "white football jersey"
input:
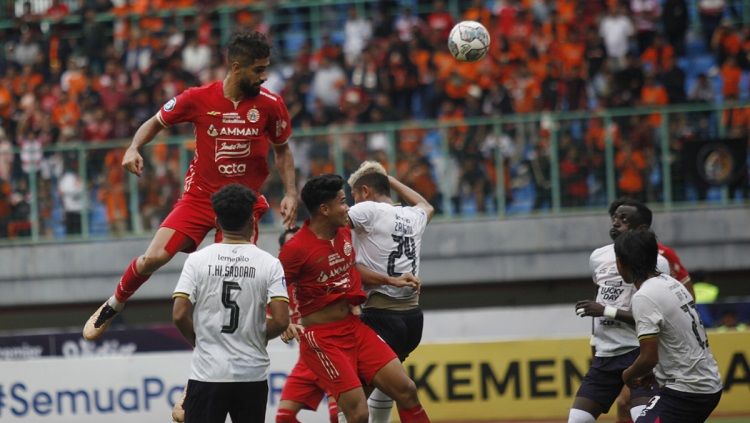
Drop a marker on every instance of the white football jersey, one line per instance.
(613, 337)
(663, 307)
(230, 286)
(388, 240)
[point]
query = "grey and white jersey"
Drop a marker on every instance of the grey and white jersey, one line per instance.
(612, 337)
(229, 286)
(663, 307)
(388, 240)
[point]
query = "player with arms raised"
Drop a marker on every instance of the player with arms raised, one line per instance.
(388, 241)
(340, 350)
(235, 120)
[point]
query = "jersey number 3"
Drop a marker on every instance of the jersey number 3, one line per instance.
(234, 309)
(404, 246)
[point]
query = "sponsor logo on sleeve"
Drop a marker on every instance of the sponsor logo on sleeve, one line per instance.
(280, 127)
(169, 106)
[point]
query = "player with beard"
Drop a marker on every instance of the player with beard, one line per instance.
(614, 341)
(235, 122)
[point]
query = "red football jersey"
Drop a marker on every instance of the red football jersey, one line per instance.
(676, 268)
(321, 271)
(231, 139)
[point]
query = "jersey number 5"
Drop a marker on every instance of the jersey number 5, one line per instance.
(234, 309)
(404, 246)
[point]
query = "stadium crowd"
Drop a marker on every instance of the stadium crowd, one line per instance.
(99, 77)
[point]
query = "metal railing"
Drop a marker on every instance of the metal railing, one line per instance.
(481, 167)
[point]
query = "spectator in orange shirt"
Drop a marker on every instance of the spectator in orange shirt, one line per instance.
(658, 56)
(477, 12)
(631, 165)
(653, 94)
(730, 77)
(112, 192)
(726, 42)
(66, 113)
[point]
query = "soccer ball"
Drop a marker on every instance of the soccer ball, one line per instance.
(468, 41)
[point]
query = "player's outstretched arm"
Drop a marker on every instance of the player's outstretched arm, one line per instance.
(592, 308)
(182, 316)
(285, 167)
(373, 278)
(279, 320)
(133, 161)
(412, 197)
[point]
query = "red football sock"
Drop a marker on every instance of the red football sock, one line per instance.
(333, 412)
(413, 415)
(286, 416)
(130, 282)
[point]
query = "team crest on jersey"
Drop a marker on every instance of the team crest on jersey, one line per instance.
(212, 132)
(347, 248)
(253, 115)
(169, 106)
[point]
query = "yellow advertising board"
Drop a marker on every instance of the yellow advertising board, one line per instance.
(538, 379)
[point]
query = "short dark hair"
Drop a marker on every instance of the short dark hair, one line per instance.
(645, 216)
(377, 181)
(637, 250)
(245, 47)
(233, 205)
(321, 189)
(282, 237)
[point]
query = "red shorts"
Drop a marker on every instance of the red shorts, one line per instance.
(302, 386)
(343, 354)
(194, 216)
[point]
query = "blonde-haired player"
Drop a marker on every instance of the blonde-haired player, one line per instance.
(388, 239)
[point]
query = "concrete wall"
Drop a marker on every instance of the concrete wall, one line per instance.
(479, 251)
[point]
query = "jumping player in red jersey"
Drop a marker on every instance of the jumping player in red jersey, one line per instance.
(235, 120)
(339, 349)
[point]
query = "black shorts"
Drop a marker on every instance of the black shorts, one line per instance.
(401, 330)
(670, 406)
(210, 402)
(603, 381)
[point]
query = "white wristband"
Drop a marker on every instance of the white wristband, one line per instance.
(610, 312)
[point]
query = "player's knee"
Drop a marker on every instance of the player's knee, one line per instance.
(405, 394)
(580, 416)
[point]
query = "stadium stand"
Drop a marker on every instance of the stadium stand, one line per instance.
(75, 75)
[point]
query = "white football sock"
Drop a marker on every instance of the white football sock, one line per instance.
(118, 306)
(580, 416)
(379, 405)
(636, 411)
(342, 417)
